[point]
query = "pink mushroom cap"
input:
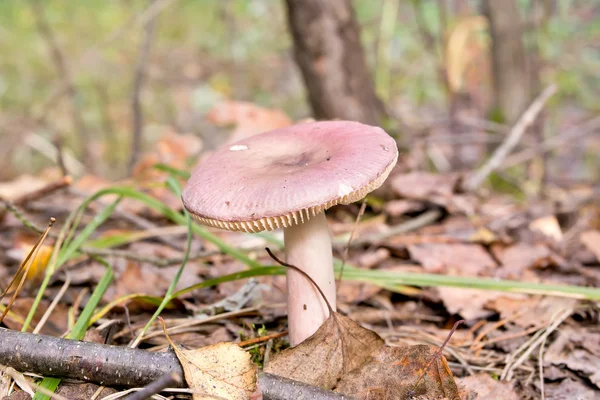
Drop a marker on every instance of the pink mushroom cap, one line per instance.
(284, 177)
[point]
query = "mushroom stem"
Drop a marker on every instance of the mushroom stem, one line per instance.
(308, 247)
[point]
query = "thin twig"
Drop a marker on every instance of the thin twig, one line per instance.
(411, 225)
(541, 367)
(571, 135)
(16, 376)
(261, 339)
(439, 352)
(497, 325)
(136, 256)
(138, 84)
(513, 138)
(43, 191)
(60, 156)
(531, 345)
(157, 386)
(10, 207)
(138, 221)
(49, 150)
(363, 206)
(305, 275)
(32, 196)
(24, 269)
(54, 303)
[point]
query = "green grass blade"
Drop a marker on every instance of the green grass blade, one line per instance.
(179, 219)
(48, 383)
(428, 280)
(174, 186)
(391, 280)
(78, 331)
(172, 170)
(250, 273)
(68, 250)
(80, 327)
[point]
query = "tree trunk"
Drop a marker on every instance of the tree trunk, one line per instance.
(329, 53)
(509, 59)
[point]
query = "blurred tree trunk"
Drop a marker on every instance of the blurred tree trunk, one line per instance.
(329, 53)
(509, 60)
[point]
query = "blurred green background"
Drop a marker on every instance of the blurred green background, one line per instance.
(205, 51)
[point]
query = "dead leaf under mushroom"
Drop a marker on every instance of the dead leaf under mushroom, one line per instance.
(344, 356)
(338, 346)
(401, 373)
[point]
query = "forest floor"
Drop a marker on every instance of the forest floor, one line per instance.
(425, 253)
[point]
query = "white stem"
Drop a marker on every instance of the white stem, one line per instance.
(308, 246)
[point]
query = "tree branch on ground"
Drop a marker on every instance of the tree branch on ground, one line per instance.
(121, 366)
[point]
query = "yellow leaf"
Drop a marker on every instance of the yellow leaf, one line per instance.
(39, 263)
(549, 226)
(220, 371)
(462, 48)
(483, 235)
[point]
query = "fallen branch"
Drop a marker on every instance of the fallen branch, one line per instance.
(43, 191)
(572, 135)
(513, 138)
(410, 225)
(121, 366)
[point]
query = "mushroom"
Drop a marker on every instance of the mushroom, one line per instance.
(287, 178)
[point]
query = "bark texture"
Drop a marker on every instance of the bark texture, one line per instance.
(91, 362)
(330, 55)
(509, 60)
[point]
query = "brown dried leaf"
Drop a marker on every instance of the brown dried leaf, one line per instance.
(81, 391)
(396, 208)
(222, 370)
(579, 351)
(468, 303)
(548, 226)
(489, 388)
(56, 325)
(570, 389)
(5, 382)
(356, 292)
(461, 259)
(401, 373)
(370, 259)
(23, 184)
(526, 311)
(422, 185)
(171, 148)
(249, 118)
(591, 240)
(207, 335)
(521, 256)
(77, 391)
(151, 280)
(339, 345)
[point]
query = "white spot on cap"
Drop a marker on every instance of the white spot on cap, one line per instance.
(344, 190)
(238, 147)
